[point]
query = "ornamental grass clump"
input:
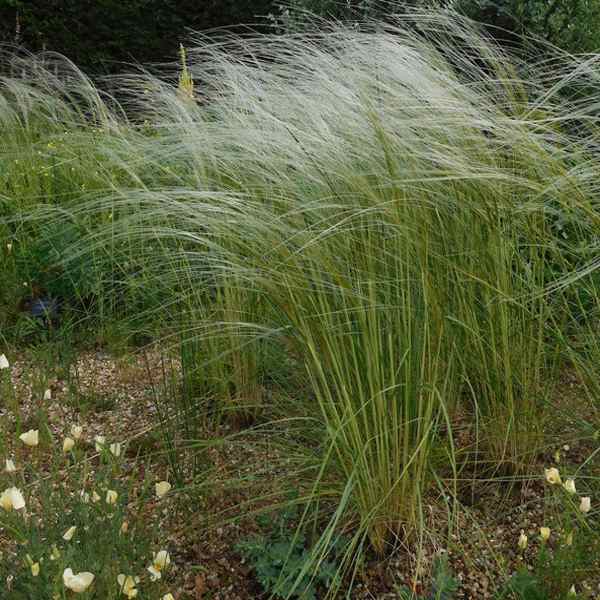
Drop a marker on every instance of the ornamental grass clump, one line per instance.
(386, 206)
(390, 200)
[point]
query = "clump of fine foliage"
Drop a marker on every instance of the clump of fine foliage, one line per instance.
(400, 219)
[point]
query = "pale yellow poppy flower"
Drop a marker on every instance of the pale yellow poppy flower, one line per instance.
(30, 438)
(552, 476)
(127, 584)
(162, 488)
(585, 505)
(522, 543)
(160, 562)
(12, 498)
(115, 449)
(79, 582)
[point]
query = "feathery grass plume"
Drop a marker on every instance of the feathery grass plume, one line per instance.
(384, 202)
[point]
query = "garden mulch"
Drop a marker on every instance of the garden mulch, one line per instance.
(117, 397)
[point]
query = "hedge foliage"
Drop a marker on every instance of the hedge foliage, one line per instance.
(101, 35)
(573, 25)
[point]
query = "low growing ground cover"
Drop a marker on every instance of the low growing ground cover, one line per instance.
(365, 261)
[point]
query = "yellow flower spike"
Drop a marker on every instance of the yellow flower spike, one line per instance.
(522, 543)
(168, 596)
(35, 569)
(585, 505)
(557, 456)
(68, 444)
(160, 562)
(55, 554)
(124, 527)
(572, 591)
(115, 449)
(4, 364)
(48, 394)
(569, 485)
(76, 431)
(95, 496)
(100, 442)
(545, 533)
(111, 497)
(30, 438)
(69, 533)
(162, 488)
(79, 582)
(12, 498)
(127, 584)
(10, 466)
(186, 82)
(552, 476)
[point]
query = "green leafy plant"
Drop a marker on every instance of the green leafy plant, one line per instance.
(280, 557)
(524, 586)
(443, 583)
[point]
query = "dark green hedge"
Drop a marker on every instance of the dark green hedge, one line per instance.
(573, 25)
(99, 34)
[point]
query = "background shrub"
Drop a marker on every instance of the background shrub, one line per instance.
(98, 35)
(102, 35)
(569, 24)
